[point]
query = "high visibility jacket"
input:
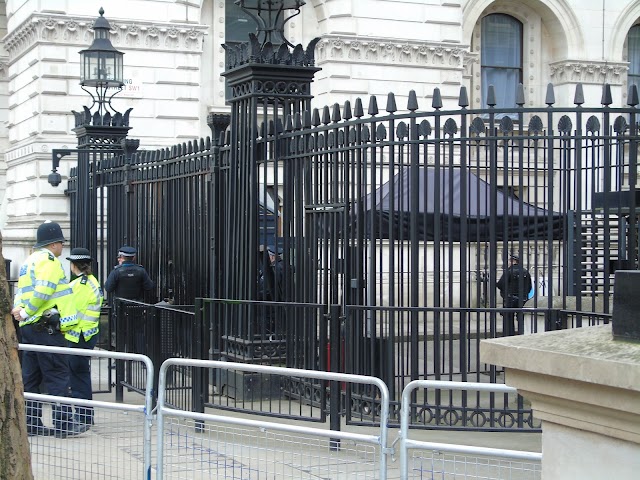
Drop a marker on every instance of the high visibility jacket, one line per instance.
(43, 285)
(87, 297)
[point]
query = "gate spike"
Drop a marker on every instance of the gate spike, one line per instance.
(315, 118)
(358, 110)
(632, 99)
(436, 101)
(412, 102)
(550, 99)
(606, 95)
(326, 115)
(578, 98)
(520, 101)
(463, 100)
(263, 129)
(335, 114)
(306, 119)
(491, 96)
(391, 103)
(298, 121)
(207, 143)
(346, 110)
(279, 125)
(289, 125)
(272, 128)
(373, 105)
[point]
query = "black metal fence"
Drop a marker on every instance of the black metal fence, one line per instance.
(398, 224)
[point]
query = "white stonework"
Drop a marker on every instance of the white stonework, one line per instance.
(585, 387)
(173, 61)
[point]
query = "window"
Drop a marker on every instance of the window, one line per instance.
(501, 58)
(633, 48)
(238, 26)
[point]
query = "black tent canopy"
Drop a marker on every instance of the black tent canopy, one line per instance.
(388, 209)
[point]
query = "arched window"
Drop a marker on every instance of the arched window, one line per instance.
(633, 54)
(501, 58)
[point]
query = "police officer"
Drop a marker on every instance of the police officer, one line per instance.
(87, 297)
(514, 286)
(128, 280)
(43, 305)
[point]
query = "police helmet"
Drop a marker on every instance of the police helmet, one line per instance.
(49, 232)
(79, 254)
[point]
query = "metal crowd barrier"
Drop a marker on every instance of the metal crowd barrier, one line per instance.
(198, 445)
(118, 444)
(461, 461)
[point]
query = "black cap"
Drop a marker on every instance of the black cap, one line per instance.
(127, 251)
(515, 257)
(49, 232)
(79, 254)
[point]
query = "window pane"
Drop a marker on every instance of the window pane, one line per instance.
(633, 46)
(238, 25)
(501, 41)
(505, 82)
(501, 58)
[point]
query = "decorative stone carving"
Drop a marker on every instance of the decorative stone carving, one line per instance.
(574, 71)
(399, 53)
(61, 29)
(468, 60)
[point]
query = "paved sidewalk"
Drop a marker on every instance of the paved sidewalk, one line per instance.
(114, 448)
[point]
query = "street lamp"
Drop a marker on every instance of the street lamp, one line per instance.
(101, 66)
(270, 17)
(100, 129)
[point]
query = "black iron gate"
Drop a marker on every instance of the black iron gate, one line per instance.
(402, 221)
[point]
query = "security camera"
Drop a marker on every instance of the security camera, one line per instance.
(54, 179)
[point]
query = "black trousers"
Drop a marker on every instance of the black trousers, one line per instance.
(508, 319)
(48, 369)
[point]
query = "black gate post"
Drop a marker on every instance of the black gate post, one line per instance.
(270, 85)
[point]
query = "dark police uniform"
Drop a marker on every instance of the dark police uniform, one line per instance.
(128, 280)
(514, 286)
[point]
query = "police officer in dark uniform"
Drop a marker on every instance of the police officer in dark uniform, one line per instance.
(271, 289)
(128, 280)
(514, 286)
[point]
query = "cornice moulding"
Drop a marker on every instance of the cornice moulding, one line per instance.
(125, 34)
(367, 50)
(588, 72)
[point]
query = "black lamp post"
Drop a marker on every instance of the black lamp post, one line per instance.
(100, 129)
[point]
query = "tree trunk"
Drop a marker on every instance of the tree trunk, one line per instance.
(15, 457)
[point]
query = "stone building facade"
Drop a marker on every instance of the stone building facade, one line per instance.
(173, 61)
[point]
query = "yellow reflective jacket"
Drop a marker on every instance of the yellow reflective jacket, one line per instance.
(43, 285)
(87, 297)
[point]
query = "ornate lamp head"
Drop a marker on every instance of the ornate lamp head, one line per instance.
(101, 65)
(270, 16)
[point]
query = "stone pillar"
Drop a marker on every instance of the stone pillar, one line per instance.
(585, 387)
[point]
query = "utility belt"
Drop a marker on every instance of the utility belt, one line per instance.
(48, 322)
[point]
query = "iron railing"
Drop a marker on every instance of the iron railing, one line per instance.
(397, 223)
